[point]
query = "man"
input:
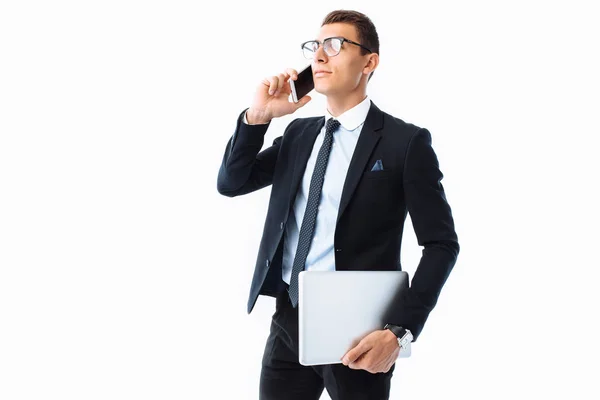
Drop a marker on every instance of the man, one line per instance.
(342, 186)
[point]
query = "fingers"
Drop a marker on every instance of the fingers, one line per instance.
(358, 363)
(372, 363)
(277, 82)
(282, 78)
(353, 354)
(273, 84)
(292, 73)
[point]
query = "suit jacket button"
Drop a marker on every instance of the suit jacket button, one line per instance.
(267, 263)
(338, 249)
(281, 225)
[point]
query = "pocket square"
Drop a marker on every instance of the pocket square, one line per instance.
(378, 166)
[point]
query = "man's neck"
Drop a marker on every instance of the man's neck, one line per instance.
(337, 105)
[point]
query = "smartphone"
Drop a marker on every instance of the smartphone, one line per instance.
(303, 85)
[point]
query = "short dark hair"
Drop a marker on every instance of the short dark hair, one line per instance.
(367, 34)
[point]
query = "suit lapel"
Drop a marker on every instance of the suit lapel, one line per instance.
(369, 136)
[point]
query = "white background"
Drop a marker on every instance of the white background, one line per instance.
(125, 275)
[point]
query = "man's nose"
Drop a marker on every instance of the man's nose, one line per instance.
(320, 55)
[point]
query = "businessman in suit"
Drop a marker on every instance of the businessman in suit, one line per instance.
(342, 186)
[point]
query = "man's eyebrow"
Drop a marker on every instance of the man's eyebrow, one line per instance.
(332, 36)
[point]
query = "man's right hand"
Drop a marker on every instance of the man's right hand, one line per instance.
(271, 98)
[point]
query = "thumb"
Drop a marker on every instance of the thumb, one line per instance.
(353, 354)
(303, 102)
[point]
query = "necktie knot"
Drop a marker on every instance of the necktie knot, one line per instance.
(332, 125)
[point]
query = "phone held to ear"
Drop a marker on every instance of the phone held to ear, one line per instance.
(303, 85)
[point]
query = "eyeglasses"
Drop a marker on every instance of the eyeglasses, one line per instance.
(332, 46)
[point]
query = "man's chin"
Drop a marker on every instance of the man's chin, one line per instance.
(322, 90)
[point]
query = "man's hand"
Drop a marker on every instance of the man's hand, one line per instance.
(271, 98)
(376, 352)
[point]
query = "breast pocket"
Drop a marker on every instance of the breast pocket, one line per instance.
(377, 195)
(378, 174)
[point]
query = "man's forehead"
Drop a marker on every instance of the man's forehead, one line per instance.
(337, 29)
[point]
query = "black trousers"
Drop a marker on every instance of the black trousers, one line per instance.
(284, 378)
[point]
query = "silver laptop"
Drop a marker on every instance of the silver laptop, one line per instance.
(336, 309)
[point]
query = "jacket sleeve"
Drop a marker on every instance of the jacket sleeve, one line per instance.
(243, 169)
(432, 221)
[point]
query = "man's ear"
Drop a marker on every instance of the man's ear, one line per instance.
(372, 63)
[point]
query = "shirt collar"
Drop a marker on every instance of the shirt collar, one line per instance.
(352, 118)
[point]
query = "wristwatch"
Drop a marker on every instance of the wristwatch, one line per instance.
(404, 336)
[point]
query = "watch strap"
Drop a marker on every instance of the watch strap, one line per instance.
(399, 331)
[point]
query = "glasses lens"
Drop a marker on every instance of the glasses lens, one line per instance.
(332, 46)
(309, 49)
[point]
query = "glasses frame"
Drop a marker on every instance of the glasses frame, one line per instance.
(343, 39)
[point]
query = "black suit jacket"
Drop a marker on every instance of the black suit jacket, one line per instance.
(373, 206)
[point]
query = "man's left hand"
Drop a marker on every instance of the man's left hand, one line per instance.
(376, 352)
